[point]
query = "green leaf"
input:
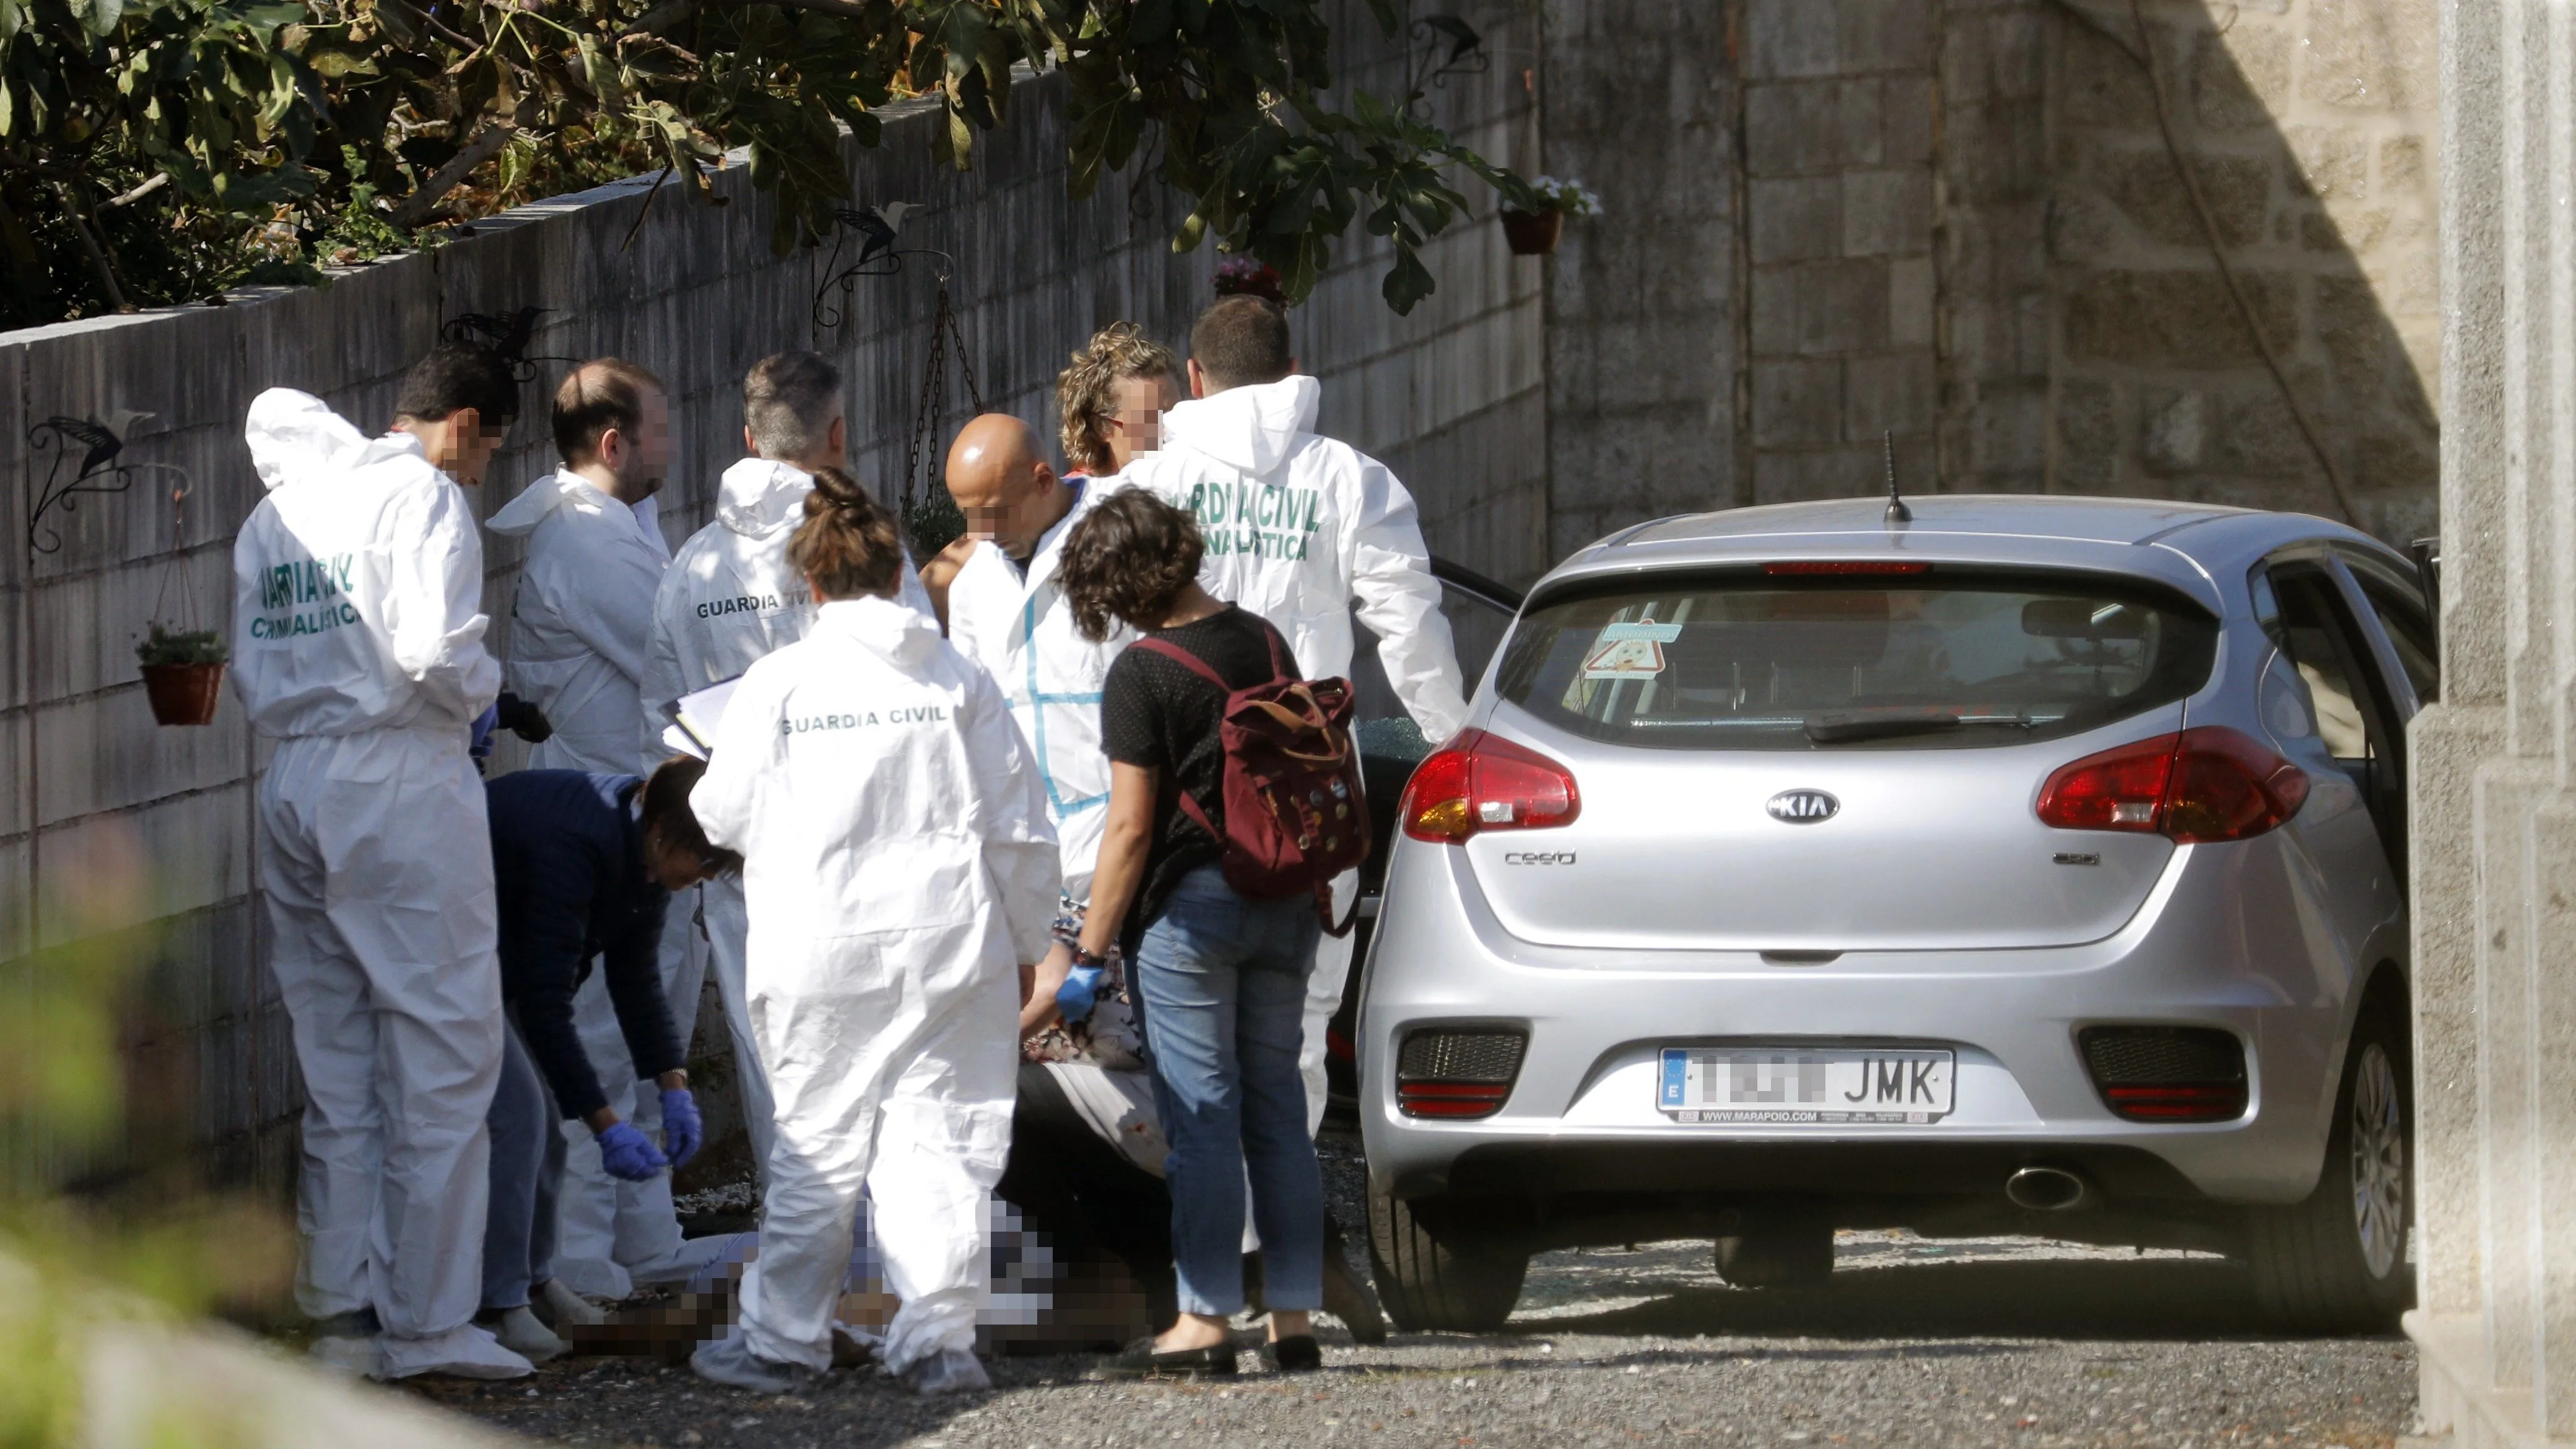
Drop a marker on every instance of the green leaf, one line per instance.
(1407, 282)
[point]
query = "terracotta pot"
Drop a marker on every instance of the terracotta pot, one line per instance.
(183, 694)
(1532, 233)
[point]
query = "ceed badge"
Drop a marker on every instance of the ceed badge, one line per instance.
(1803, 807)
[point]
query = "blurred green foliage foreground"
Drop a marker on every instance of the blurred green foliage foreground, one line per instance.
(103, 1289)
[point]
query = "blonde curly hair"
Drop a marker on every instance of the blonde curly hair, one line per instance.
(1087, 392)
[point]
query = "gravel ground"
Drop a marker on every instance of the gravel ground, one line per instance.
(1999, 1341)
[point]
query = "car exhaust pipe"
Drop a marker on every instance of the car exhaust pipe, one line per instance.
(2046, 1189)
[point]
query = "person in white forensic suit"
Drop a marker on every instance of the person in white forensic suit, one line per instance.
(901, 873)
(1303, 530)
(578, 631)
(729, 600)
(358, 647)
(1006, 613)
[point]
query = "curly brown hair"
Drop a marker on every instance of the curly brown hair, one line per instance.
(1087, 392)
(1128, 558)
(847, 544)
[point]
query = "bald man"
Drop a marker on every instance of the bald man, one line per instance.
(1005, 612)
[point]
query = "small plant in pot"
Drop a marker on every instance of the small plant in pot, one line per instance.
(1534, 215)
(183, 674)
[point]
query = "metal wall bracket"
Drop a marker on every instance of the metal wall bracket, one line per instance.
(97, 471)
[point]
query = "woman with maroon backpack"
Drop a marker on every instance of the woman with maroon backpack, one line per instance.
(1232, 795)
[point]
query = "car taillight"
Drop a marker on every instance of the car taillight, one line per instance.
(2167, 1074)
(1481, 782)
(2200, 786)
(1458, 1075)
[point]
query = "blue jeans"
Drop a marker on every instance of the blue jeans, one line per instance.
(527, 1174)
(1224, 981)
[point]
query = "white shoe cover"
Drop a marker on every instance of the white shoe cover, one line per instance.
(521, 1333)
(562, 1305)
(949, 1371)
(467, 1352)
(350, 1355)
(731, 1362)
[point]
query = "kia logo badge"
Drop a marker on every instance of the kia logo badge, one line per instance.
(1803, 807)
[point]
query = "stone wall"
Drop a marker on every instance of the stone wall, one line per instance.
(1833, 221)
(1644, 305)
(1450, 396)
(2494, 833)
(2311, 124)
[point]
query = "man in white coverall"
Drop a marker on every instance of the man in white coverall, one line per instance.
(358, 646)
(1300, 530)
(595, 556)
(729, 599)
(900, 870)
(1006, 613)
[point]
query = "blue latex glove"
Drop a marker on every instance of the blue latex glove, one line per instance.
(484, 724)
(627, 1154)
(681, 1130)
(1075, 998)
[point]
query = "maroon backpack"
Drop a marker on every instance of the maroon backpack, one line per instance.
(1294, 818)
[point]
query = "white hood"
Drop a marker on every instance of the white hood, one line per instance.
(1252, 427)
(294, 436)
(759, 496)
(558, 489)
(890, 630)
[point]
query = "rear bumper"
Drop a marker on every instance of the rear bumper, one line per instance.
(1581, 1115)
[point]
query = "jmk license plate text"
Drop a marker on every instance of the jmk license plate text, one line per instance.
(1756, 1084)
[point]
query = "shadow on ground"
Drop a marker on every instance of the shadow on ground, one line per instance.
(2158, 1298)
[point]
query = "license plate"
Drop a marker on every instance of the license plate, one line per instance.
(1772, 1084)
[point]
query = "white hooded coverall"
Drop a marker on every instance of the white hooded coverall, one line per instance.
(1021, 631)
(1303, 530)
(899, 869)
(358, 645)
(578, 635)
(728, 601)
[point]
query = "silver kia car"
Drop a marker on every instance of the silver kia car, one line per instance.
(2022, 865)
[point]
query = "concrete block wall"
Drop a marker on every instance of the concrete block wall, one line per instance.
(1451, 397)
(2312, 125)
(1959, 223)
(1838, 151)
(1645, 304)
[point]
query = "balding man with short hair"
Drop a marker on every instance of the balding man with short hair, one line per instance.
(1006, 613)
(578, 634)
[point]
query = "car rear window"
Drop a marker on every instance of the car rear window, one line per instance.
(1811, 662)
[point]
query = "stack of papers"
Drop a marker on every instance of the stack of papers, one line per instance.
(694, 719)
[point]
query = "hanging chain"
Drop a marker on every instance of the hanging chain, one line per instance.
(945, 336)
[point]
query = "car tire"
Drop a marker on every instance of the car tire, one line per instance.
(2336, 1262)
(1778, 1247)
(1430, 1285)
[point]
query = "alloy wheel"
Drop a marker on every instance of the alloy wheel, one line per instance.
(2378, 1162)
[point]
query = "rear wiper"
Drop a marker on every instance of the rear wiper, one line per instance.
(1846, 728)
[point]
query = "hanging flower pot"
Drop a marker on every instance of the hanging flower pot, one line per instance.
(183, 694)
(183, 674)
(1533, 223)
(1532, 233)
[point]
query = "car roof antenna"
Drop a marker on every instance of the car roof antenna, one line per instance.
(1897, 512)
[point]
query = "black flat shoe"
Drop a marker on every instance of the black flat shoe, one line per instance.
(1141, 1360)
(1297, 1354)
